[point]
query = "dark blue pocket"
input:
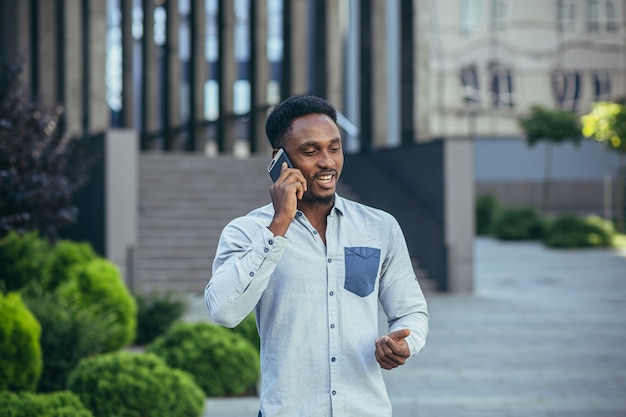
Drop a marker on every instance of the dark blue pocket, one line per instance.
(361, 269)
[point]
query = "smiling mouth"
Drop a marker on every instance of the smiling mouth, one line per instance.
(325, 178)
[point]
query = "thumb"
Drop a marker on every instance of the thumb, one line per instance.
(398, 335)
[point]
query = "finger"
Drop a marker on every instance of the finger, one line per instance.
(382, 359)
(399, 334)
(385, 355)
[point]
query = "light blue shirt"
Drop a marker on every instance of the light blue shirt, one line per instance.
(317, 306)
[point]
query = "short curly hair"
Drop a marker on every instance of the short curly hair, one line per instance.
(278, 124)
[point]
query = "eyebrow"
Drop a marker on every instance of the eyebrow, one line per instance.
(316, 143)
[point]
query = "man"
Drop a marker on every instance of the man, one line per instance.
(314, 267)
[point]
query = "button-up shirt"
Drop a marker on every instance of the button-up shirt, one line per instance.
(317, 306)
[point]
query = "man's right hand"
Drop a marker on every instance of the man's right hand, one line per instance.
(285, 192)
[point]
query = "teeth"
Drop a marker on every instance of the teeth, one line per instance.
(325, 177)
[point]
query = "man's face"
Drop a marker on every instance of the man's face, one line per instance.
(314, 147)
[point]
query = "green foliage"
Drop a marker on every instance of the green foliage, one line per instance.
(64, 255)
(486, 212)
(58, 404)
(606, 123)
(126, 384)
(70, 332)
(20, 352)
(518, 223)
(22, 260)
(98, 284)
(575, 232)
(555, 126)
(155, 314)
(40, 170)
(222, 362)
(247, 329)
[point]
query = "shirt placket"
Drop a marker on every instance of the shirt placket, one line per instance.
(333, 263)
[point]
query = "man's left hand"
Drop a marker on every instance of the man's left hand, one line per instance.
(392, 350)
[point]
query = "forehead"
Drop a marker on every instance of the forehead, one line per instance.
(313, 127)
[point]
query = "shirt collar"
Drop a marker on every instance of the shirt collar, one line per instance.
(339, 205)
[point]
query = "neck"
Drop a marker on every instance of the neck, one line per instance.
(316, 210)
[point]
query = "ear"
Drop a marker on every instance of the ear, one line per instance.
(274, 152)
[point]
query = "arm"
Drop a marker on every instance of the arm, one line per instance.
(246, 256)
(248, 252)
(404, 305)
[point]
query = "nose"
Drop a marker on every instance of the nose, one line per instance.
(326, 159)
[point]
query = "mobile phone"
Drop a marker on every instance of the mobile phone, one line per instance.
(276, 165)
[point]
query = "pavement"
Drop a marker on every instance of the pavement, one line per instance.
(542, 334)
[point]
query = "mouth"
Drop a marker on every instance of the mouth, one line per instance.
(326, 180)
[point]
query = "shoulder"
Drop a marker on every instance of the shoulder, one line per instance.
(364, 212)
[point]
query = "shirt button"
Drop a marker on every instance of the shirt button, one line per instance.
(299, 213)
(334, 392)
(332, 293)
(332, 326)
(329, 260)
(251, 274)
(266, 250)
(333, 359)
(314, 232)
(271, 242)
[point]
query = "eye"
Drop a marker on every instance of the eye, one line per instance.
(309, 153)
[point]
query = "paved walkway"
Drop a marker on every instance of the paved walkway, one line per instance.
(543, 334)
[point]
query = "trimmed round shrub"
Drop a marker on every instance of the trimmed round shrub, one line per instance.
(97, 286)
(22, 260)
(58, 404)
(247, 329)
(128, 384)
(486, 211)
(20, 352)
(155, 314)
(69, 333)
(518, 223)
(222, 362)
(64, 255)
(575, 232)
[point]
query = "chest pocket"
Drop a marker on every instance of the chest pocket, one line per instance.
(361, 269)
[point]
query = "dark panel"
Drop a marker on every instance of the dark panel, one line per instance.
(407, 76)
(91, 199)
(365, 71)
(407, 182)
(318, 37)
(285, 81)
(85, 65)
(253, 78)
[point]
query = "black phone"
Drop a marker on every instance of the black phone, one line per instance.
(275, 166)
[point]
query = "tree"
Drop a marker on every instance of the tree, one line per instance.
(552, 127)
(40, 169)
(606, 123)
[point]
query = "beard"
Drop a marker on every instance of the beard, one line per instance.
(319, 199)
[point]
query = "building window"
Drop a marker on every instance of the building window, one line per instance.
(501, 87)
(470, 85)
(499, 14)
(601, 86)
(566, 15)
(472, 12)
(602, 16)
(566, 89)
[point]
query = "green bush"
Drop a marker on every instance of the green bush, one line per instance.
(127, 384)
(155, 314)
(247, 329)
(98, 284)
(22, 260)
(64, 255)
(222, 362)
(58, 404)
(20, 352)
(575, 232)
(70, 332)
(518, 223)
(486, 211)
